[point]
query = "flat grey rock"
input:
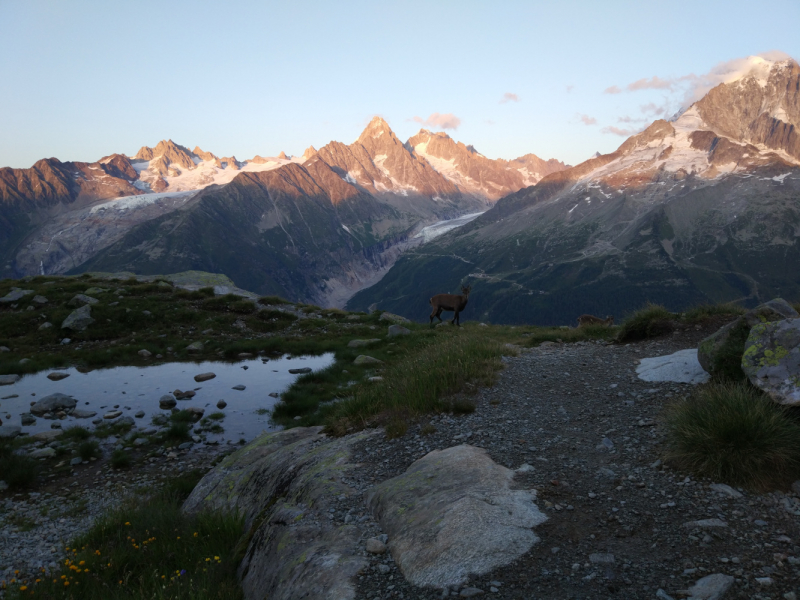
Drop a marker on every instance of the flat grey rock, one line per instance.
(360, 343)
(395, 330)
(239, 387)
(711, 587)
(82, 414)
(195, 347)
(14, 295)
(57, 376)
(453, 514)
(81, 300)
(300, 371)
(363, 359)
(9, 379)
(43, 453)
(295, 550)
(724, 488)
(204, 377)
(680, 367)
(53, 402)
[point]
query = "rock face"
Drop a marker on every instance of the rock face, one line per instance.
(771, 360)
(452, 514)
(53, 402)
(276, 482)
(697, 209)
(721, 352)
(79, 319)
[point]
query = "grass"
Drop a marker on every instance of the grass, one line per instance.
(733, 433)
(120, 459)
(706, 312)
(148, 549)
(651, 321)
(571, 334)
(88, 449)
(444, 362)
(76, 433)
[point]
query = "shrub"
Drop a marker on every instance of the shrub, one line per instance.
(705, 312)
(244, 307)
(651, 321)
(76, 433)
(732, 432)
(273, 300)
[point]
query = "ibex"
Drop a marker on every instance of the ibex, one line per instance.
(453, 302)
(592, 320)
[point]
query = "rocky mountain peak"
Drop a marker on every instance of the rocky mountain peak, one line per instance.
(199, 153)
(375, 132)
(282, 155)
(310, 151)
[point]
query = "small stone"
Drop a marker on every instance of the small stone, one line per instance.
(274, 395)
(39, 299)
(395, 330)
(145, 353)
(705, 523)
(78, 319)
(45, 325)
(112, 415)
(65, 341)
(43, 453)
(57, 376)
(185, 445)
(711, 587)
(82, 300)
(75, 461)
(602, 558)
(244, 355)
(195, 347)
(221, 404)
(140, 441)
(470, 592)
(27, 419)
(239, 387)
(166, 402)
(300, 371)
(375, 546)
(764, 581)
(204, 377)
(139, 414)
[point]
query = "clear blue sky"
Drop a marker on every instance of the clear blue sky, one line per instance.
(80, 80)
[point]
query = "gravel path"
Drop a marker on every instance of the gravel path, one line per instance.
(583, 430)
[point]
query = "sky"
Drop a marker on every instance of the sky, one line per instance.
(80, 80)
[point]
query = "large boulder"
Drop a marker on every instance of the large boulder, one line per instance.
(680, 367)
(285, 485)
(79, 319)
(53, 402)
(720, 354)
(771, 360)
(453, 514)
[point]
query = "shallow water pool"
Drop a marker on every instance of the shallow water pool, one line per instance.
(135, 389)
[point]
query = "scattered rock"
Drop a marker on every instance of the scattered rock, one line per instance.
(395, 330)
(184, 395)
(9, 379)
(81, 300)
(139, 414)
(239, 387)
(82, 414)
(221, 404)
(602, 558)
(14, 295)
(45, 325)
(57, 376)
(470, 592)
(452, 514)
(195, 347)
(166, 402)
(43, 453)
(771, 360)
(78, 320)
(724, 488)
(706, 523)
(39, 299)
(65, 341)
(360, 343)
(204, 376)
(46, 436)
(375, 546)
(300, 371)
(197, 412)
(363, 359)
(387, 316)
(680, 367)
(27, 419)
(112, 415)
(144, 353)
(274, 395)
(95, 291)
(52, 403)
(75, 461)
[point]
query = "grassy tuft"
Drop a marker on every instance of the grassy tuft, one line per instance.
(76, 433)
(120, 459)
(273, 300)
(88, 449)
(17, 471)
(706, 312)
(572, 334)
(731, 432)
(651, 321)
(148, 549)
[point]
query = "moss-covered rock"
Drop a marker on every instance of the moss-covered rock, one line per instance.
(720, 354)
(771, 360)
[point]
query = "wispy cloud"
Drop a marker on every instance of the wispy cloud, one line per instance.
(619, 131)
(629, 119)
(570, 88)
(587, 120)
(654, 83)
(612, 90)
(439, 120)
(509, 97)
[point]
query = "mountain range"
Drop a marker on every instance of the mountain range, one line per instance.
(314, 228)
(702, 208)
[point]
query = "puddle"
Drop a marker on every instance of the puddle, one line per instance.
(134, 389)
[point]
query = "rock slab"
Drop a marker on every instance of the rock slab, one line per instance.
(771, 360)
(8, 379)
(283, 484)
(453, 514)
(204, 376)
(680, 367)
(53, 402)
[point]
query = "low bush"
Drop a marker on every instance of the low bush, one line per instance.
(88, 449)
(651, 321)
(16, 470)
(732, 432)
(273, 300)
(120, 459)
